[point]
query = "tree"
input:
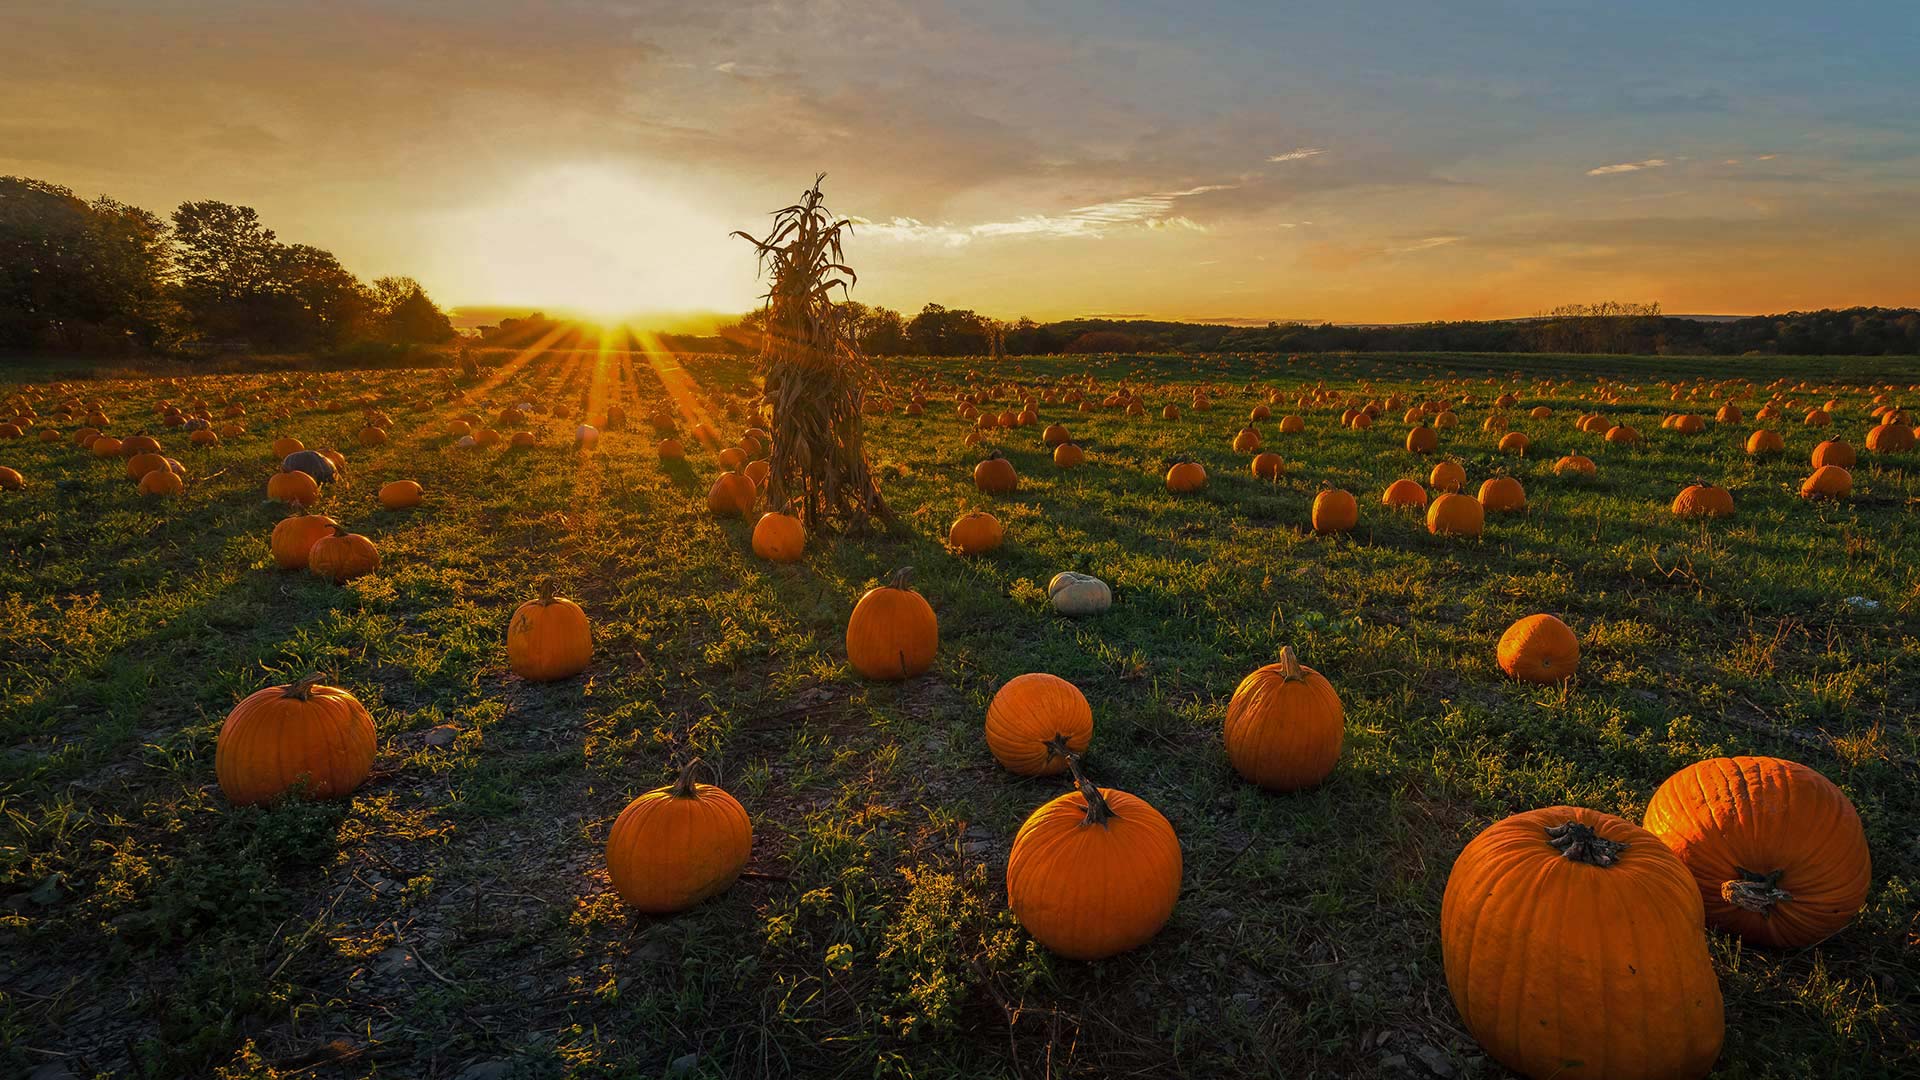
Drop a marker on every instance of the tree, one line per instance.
(226, 259)
(77, 274)
(333, 307)
(406, 315)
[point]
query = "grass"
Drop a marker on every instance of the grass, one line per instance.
(456, 911)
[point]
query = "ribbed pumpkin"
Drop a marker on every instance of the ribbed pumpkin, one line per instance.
(1890, 438)
(1834, 452)
(1503, 494)
(1447, 476)
(549, 638)
(1035, 721)
(294, 538)
(342, 556)
(1703, 500)
(678, 845)
(995, 475)
(1765, 441)
(295, 487)
(401, 494)
(1268, 466)
(1827, 482)
(1539, 649)
(731, 495)
(892, 633)
(1574, 465)
(1067, 455)
(975, 533)
(1285, 725)
(1574, 946)
(1456, 515)
(1094, 872)
(1404, 494)
(1776, 848)
(1186, 476)
(1423, 440)
(779, 537)
(1334, 511)
(286, 735)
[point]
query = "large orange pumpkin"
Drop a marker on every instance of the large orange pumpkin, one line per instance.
(1285, 725)
(1574, 945)
(342, 556)
(975, 533)
(892, 633)
(1540, 649)
(294, 538)
(675, 846)
(1035, 721)
(995, 475)
(1456, 515)
(1834, 452)
(1334, 511)
(302, 734)
(731, 495)
(1703, 500)
(549, 638)
(779, 537)
(1503, 494)
(1776, 848)
(1094, 872)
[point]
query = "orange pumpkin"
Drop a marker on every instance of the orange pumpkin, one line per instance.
(1540, 649)
(1285, 725)
(1890, 438)
(294, 538)
(1268, 466)
(1827, 482)
(305, 734)
(162, 481)
(401, 494)
(1703, 500)
(293, 486)
(342, 556)
(1453, 514)
(1765, 441)
(1834, 452)
(1035, 721)
(675, 846)
(549, 638)
(731, 495)
(1423, 440)
(1094, 872)
(779, 537)
(1574, 945)
(1185, 477)
(995, 475)
(1503, 494)
(1067, 455)
(1574, 465)
(11, 480)
(975, 533)
(892, 633)
(1334, 511)
(1447, 476)
(1405, 494)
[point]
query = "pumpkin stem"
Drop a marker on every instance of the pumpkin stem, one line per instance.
(1058, 746)
(1098, 812)
(1754, 892)
(1581, 844)
(684, 786)
(303, 689)
(546, 592)
(898, 579)
(1290, 668)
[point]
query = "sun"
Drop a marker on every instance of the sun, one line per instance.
(599, 243)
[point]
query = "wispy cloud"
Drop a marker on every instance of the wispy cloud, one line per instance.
(1628, 166)
(1298, 153)
(1424, 243)
(1153, 211)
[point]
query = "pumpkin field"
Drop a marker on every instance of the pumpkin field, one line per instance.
(530, 749)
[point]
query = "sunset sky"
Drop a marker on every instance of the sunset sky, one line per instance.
(1365, 161)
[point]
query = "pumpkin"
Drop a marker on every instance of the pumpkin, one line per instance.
(1056, 435)
(1453, 514)
(1423, 440)
(1067, 455)
(1334, 511)
(1764, 441)
(1827, 482)
(1622, 435)
(1703, 500)
(779, 537)
(731, 495)
(1574, 945)
(372, 436)
(975, 533)
(162, 481)
(1094, 872)
(286, 445)
(1035, 721)
(1292, 425)
(312, 462)
(732, 458)
(892, 633)
(1268, 466)
(401, 494)
(548, 638)
(105, 446)
(204, 437)
(1514, 442)
(1834, 452)
(11, 480)
(342, 556)
(1539, 649)
(1284, 726)
(675, 846)
(1185, 477)
(1776, 849)
(1447, 476)
(293, 486)
(1503, 493)
(995, 475)
(1078, 594)
(1574, 465)
(671, 450)
(1247, 441)
(294, 538)
(1890, 438)
(302, 734)
(140, 444)
(1404, 494)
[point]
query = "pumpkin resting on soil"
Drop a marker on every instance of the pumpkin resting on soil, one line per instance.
(1035, 721)
(779, 537)
(1776, 849)
(892, 633)
(1575, 945)
(306, 734)
(1285, 725)
(975, 533)
(549, 638)
(294, 538)
(1540, 649)
(678, 845)
(342, 556)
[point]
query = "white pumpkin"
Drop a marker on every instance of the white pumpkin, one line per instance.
(1079, 594)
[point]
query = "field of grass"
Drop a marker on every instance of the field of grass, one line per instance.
(453, 918)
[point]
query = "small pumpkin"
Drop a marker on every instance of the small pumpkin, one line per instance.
(1035, 721)
(779, 537)
(342, 556)
(1268, 465)
(1703, 500)
(1068, 455)
(1185, 477)
(1453, 514)
(294, 538)
(1539, 649)
(731, 495)
(401, 494)
(11, 480)
(1503, 494)
(293, 486)
(1076, 594)
(1827, 482)
(1765, 441)
(1776, 849)
(1404, 494)
(162, 481)
(301, 734)
(995, 475)
(1335, 511)
(1575, 465)
(1447, 476)
(1834, 452)
(1285, 725)
(1094, 872)
(975, 533)
(1423, 440)
(678, 845)
(893, 632)
(1563, 897)
(549, 638)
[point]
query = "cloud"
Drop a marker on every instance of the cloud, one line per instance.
(1298, 153)
(1153, 211)
(1628, 166)
(1424, 243)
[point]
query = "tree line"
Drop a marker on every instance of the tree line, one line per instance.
(84, 276)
